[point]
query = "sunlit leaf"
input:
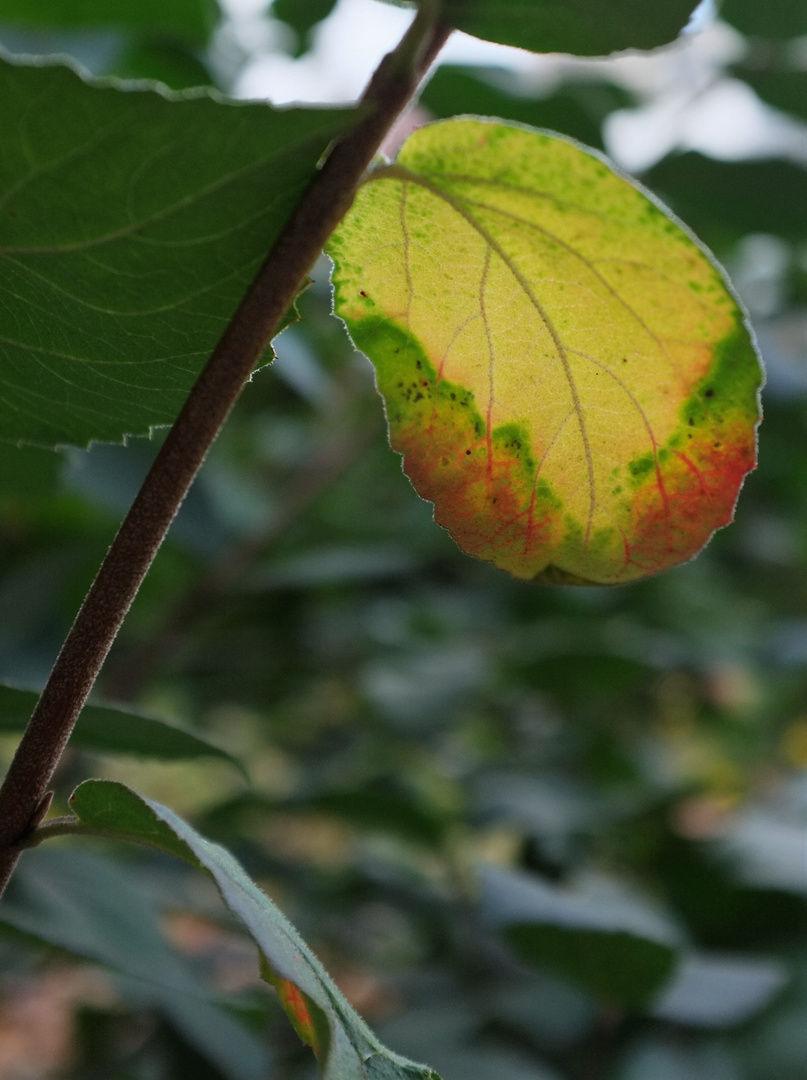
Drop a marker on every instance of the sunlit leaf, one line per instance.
(345, 1046)
(566, 372)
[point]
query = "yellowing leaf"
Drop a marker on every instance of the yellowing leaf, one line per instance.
(566, 372)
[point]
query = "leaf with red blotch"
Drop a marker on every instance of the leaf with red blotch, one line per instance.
(566, 370)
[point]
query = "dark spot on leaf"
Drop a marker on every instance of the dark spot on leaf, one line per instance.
(362, 293)
(709, 393)
(468, 453)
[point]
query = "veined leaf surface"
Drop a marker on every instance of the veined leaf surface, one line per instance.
(131, 223)
(566, 371)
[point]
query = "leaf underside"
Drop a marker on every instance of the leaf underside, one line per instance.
(321, 1015)
(130, 226)
(565, 369)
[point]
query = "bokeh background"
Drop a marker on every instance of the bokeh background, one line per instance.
(479, 800)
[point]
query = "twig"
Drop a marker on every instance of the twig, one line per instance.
(324, 204)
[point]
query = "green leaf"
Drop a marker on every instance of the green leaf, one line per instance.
(130, 225)
(107, 729)
(611, 945)
(784, 88)
(168, 62)
(775, 19)
(346, 1047)
(92, 908)
(725, 199)
(189, 19)
(302, 16)
(577, 109)
(565, 369)
(582, 27)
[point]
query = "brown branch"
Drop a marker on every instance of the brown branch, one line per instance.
(324, 204)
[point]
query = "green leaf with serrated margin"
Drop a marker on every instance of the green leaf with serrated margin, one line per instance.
(130, 226)
(346, 1048)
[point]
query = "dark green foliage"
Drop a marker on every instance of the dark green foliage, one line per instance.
(413, 723)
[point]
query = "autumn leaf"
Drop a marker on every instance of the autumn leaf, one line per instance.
(566, 371)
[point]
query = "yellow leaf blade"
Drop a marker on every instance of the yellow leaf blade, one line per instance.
(566, 372)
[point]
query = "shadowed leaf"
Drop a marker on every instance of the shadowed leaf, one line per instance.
(189, 19)
(107, 729)
(130, 226)
(585, 27)
(346, 1047)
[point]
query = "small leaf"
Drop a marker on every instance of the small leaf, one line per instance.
(131, 223)
(566, 372)
(106, 729)
(611, 945)
(347, 1048)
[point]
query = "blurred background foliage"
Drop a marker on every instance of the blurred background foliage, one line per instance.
(534, 833)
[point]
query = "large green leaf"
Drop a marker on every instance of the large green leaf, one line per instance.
(92, 908)
(583, 27)
(130, 226)
(190, 19)
(566, 372)
(345, 1046)
(106, 729)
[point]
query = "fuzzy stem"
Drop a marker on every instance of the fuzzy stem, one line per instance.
(322, 207)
